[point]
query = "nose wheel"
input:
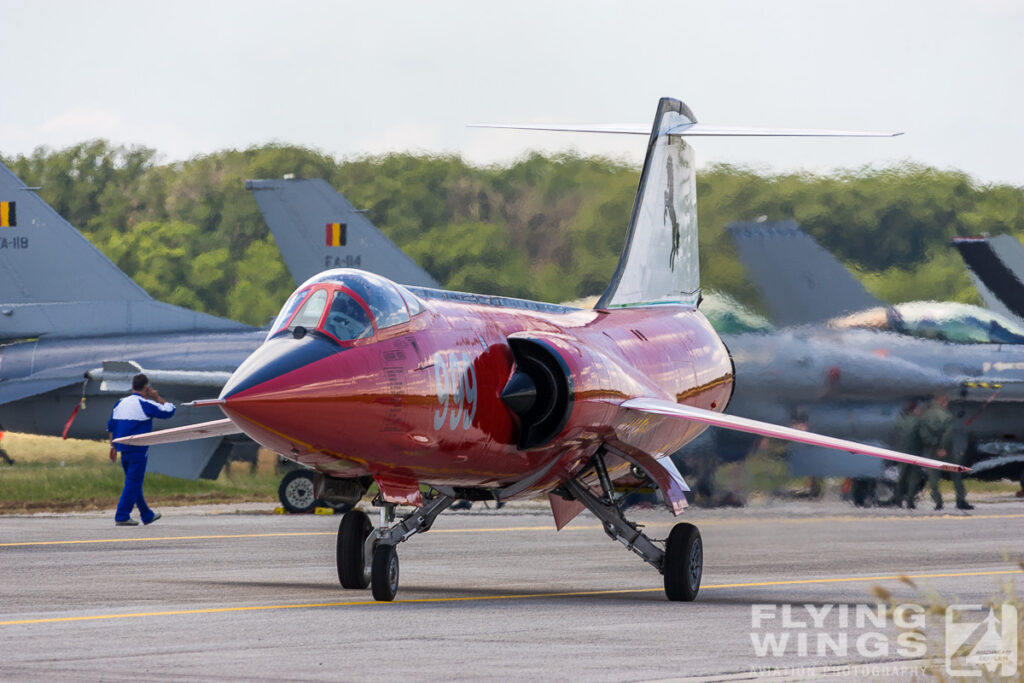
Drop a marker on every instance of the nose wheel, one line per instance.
(369, 557)
(352, 534)
(384, 573)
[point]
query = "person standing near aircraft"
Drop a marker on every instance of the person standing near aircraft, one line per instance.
(908, 438)
(134, 415)
(936, 434)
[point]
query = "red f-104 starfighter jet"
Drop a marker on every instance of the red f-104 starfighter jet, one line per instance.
(491, 398)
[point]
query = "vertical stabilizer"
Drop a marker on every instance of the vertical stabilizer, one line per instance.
(316, 229)
(798, 280)
(54, 282)
(996, 266)
(659, 262)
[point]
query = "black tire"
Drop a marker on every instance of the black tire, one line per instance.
(355, 527)
(296, 492)
(684, 563)
(384, 573)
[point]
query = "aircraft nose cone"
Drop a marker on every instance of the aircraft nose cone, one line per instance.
(267, 367)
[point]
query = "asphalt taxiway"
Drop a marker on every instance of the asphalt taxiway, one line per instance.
(211, 594)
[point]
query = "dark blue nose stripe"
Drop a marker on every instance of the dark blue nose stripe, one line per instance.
(277, 357)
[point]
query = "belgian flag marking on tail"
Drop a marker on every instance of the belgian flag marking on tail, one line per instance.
(8, 218)
(336, 234)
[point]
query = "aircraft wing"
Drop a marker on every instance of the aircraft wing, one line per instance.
(202, 430)
(17, 389)
(669, 409)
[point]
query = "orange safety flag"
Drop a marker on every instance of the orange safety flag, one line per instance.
(336, 234)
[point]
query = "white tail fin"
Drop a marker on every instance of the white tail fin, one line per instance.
(659, 262)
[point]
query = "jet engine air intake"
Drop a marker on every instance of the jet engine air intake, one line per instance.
(539, 392)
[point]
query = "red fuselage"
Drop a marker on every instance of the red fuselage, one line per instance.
(420, 401)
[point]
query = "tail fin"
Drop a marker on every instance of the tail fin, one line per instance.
(316, 229)
(659, 262)
(996, 265)
(54, 282)
(799, 281)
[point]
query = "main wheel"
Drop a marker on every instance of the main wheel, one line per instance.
(296, 491)
(355, 527)
(384, 573)
(684, 563)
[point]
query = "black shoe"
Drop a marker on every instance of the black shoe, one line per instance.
(127, 522)
(461, 505)
(156, 516)
(911, 505)
(938, 506)
(963, 505)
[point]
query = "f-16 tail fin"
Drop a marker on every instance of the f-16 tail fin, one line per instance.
(799, 281)
(996, 265)
(316, 229)
(54, 282)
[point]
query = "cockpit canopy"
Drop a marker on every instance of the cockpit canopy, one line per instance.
(346, 305)
(943, 321)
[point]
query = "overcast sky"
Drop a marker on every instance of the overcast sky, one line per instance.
(354, 78)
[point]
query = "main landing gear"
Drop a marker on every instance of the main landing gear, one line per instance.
(368, 556)
(682, 560)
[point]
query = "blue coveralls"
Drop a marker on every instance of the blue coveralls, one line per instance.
(134, 415)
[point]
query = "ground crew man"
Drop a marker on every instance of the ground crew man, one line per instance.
(936, 430)
(908, 440)
(134, 415)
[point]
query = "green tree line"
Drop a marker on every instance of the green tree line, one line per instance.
(543, 227)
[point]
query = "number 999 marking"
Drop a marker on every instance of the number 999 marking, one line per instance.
(455, 380)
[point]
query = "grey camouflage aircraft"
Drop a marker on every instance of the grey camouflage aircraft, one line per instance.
(74, 329)
(894, 353)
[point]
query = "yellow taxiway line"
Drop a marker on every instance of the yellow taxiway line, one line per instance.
(833, 519)
(478, 598)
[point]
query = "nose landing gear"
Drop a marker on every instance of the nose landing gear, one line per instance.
(368, 557)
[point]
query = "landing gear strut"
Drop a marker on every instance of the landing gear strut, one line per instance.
(368, 557)
(682, 560)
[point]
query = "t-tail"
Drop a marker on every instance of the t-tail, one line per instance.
(53, 282)
(659, 262)
(317, 228)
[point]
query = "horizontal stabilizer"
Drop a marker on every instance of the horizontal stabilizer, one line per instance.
(202, 430)
(687, 129)
(741, 424)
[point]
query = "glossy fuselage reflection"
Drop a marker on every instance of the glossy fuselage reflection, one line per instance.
(420, 401)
